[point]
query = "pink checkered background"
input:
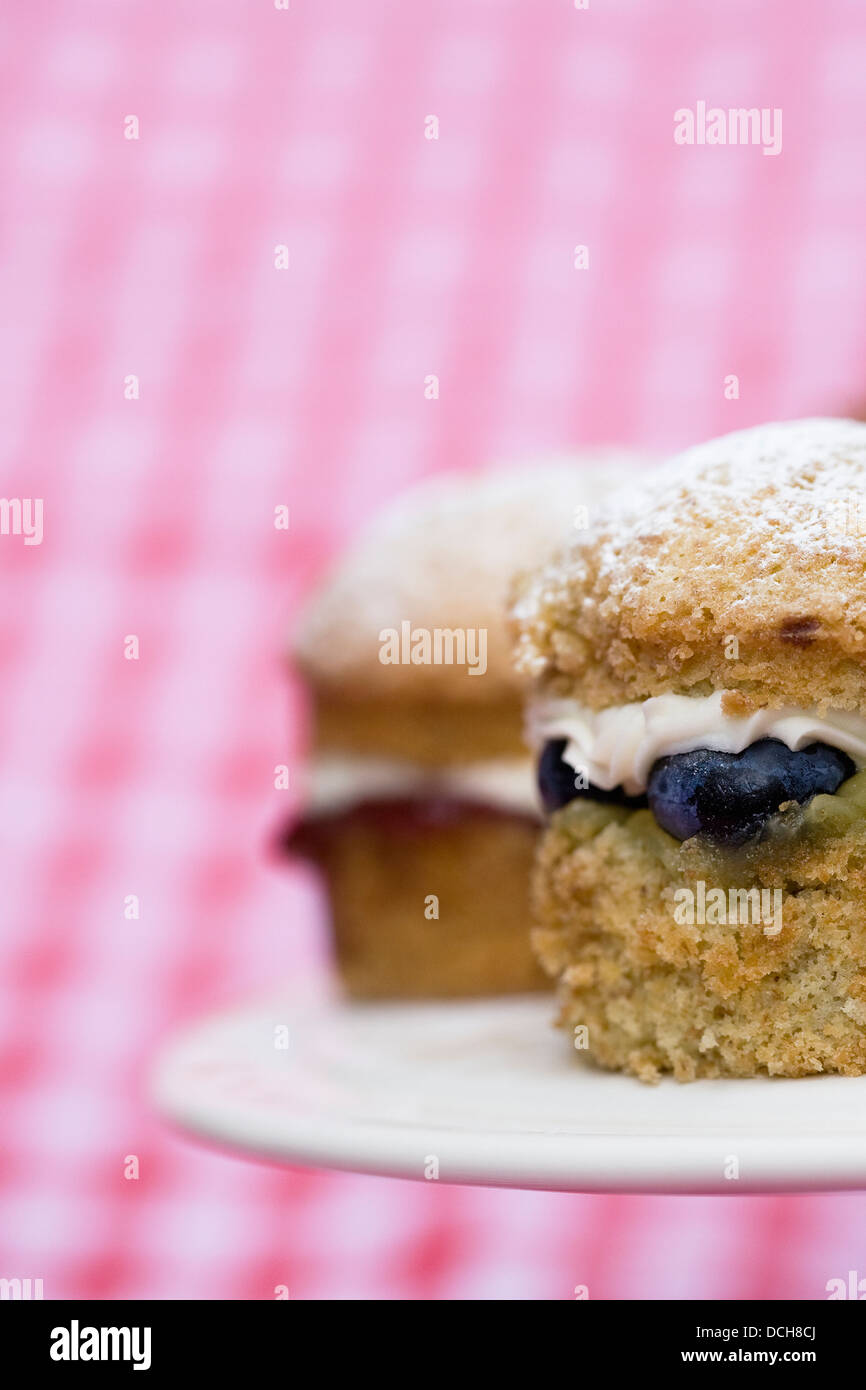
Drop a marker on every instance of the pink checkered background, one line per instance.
(408, 257)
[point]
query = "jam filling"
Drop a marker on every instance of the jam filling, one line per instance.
(398, 817)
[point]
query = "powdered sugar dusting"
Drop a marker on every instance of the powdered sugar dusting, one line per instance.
(443, 554)
(783, 486)
(766, 525)
(797, 487)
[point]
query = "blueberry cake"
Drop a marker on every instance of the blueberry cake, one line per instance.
(698, 707)
(421, 808)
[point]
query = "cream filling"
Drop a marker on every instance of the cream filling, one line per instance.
(336, 782)
(618, 746)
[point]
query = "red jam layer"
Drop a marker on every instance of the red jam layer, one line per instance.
(403, 817)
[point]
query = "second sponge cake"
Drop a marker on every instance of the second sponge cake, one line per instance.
(421, 809)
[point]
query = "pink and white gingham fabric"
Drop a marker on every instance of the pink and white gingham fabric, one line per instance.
(408, 257)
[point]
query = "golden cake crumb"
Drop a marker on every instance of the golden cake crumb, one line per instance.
(736, 704)
(705, 999)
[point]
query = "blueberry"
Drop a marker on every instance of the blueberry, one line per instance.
(557, 782)
(728, 796)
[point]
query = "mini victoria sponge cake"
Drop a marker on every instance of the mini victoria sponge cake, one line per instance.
(421, 810)
(698, 661)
